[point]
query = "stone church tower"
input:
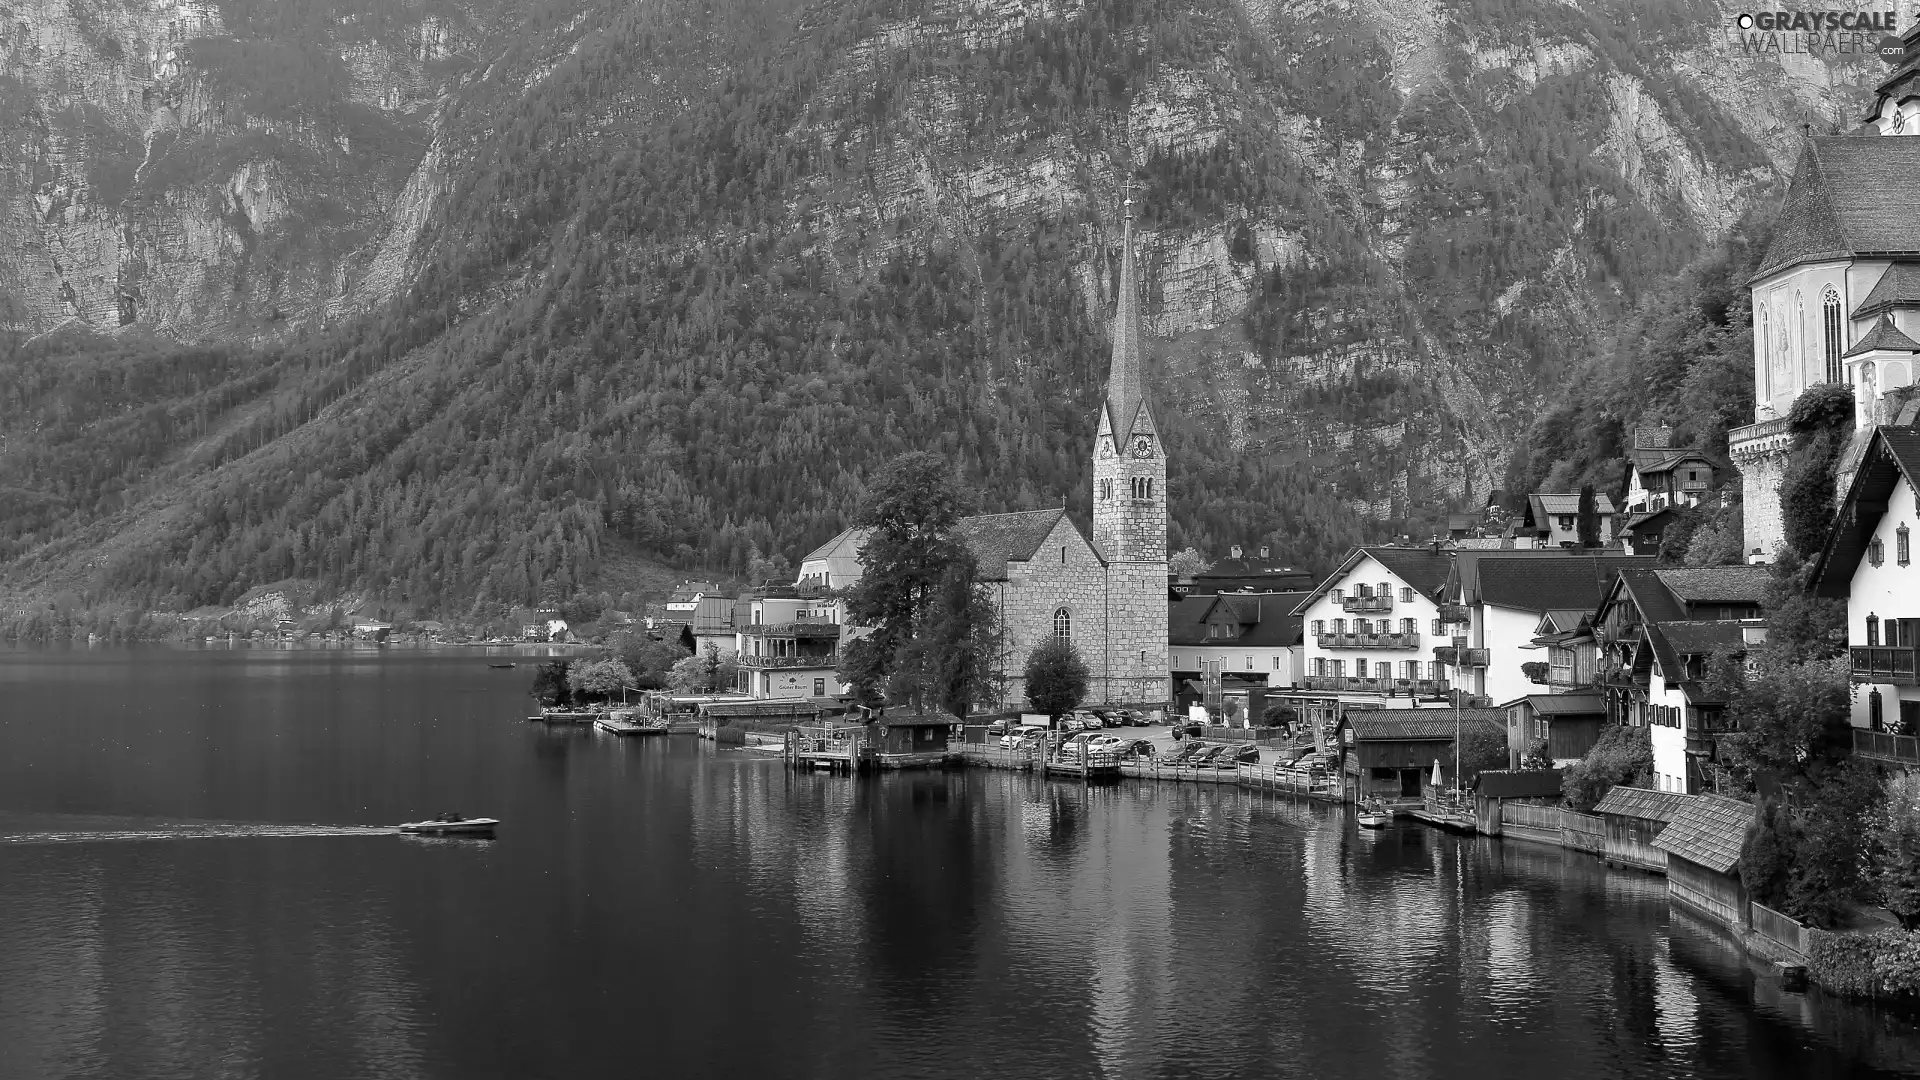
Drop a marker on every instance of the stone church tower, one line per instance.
(1130, 509)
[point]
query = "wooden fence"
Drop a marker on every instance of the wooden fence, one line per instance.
(1554, 825)
(1782, 930)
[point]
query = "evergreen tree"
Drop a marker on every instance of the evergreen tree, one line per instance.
(1588, 518)
(1057, 677)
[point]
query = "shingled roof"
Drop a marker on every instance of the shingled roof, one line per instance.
(1126, 399)
(1422, 568)
(1898, 287)
(1569, 504)
(1623, 801)
(994, 539)
(1841, 202)
(1420, 725)
(1884, 336)
(1707, 830)
(1558, 581)
(1718, 584)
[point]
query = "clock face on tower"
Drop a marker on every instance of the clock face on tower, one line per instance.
(1142, 446)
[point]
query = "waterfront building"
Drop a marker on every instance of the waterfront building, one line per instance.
(1633, 817)
(1868, 561)
(1567, 725)
(1372, 627)
(1684, 715)
(1391, 755)
(1255, 636)
(1105, 592)
(788, 643)
(1702, 842)
(1837, 295)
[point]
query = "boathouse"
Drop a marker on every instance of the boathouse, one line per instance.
(1568, 725)
(1493, 789)
(1390, 753)
(911, 742)
(1702, 843)
(1633, 817)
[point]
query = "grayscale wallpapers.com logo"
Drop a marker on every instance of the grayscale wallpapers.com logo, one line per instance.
(1821, 33)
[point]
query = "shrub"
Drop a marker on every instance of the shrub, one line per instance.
(1623, 755)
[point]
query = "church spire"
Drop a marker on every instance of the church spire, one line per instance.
(1127, 380)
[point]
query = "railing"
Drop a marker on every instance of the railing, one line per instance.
(1473, 658)
(1370, 641)
(1885, 664)
(1365, 604)
(809, 629)
(1743, 438)
(1783, 929)
(1388, 685)
(819, 660)
(1454, 613)
(1880, 745)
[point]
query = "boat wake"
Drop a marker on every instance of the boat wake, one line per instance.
(188, 832)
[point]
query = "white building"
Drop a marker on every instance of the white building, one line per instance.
(1682, 715)
(1372, 627)
(1869, 561)
(1494, 602)
(1837, 298)
(788, 645)
(1252, 635)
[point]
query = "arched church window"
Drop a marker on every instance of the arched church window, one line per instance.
(1063, 625)
(1766, 353)
(1798, 356)
(1831, 332)
(1106, 489)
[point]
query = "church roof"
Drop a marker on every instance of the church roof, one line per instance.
(1884, 335)
(1844, 201)
(1898, 287)
(1127, 379)
(997, 539)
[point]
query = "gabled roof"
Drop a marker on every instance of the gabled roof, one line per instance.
(1520, 783)
(1567, 504)
(1266, 620)
(1892, 457)
(1559, 580)
(1556, 621)
(1883, 337)
(1420, 725)
(1652, 462)
(994, 539)
(1708, 830)
(1839, 202)
(1653, 518)
(1424, 569)
(1623, 801)
(1186, 620)
(1898, 287)
(1718, 584)
(687, 590)
(1649, 596)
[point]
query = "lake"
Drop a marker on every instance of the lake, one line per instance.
(657, 907)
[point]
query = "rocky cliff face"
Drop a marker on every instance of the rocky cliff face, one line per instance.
(215, 171)
(1376, 232)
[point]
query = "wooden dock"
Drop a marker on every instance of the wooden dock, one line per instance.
(986, 756)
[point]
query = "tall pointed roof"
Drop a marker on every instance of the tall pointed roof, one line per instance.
(1883, 336)
(1127, 380)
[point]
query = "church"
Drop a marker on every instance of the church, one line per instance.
(1837, 296)
(1106, 593)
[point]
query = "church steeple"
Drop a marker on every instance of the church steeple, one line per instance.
(1126, 379)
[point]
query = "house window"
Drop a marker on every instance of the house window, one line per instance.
(1385, 590)
(1406, 627)
(1876, 552)
(1363, 626)
(1875, 718)
(1319, 666)
(1339, 669)
(1249, 661)
(1276, 661)
(1873, 630)
(1900, 549)
(819, 688)
(1413, 669)
(1339, 595)
(1406, 595)
(1436, 626)
(1319, 627)
(1063, 625)
(1566, 522)
(1360, 668)
(1830, 323)
(1339, 626)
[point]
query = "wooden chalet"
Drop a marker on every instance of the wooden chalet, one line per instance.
(1568, 723)
(1633, 818)
(911, 742)
(1703, 844)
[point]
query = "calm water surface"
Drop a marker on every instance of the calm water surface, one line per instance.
(653, 907)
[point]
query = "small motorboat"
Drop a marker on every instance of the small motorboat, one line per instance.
(1375, 816)
(499, 665)
(452, 825)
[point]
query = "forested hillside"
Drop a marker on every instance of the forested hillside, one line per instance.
(688, 273)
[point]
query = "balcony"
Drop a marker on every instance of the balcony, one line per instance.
(810, 630)
(1884, 664)
(1375, 686)
(809, 660)
(1473, 657)
(1760, 438)
(1454, 613)
(1881, 746)
(1363, 605)
(1370, 641)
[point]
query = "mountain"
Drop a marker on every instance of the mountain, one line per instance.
(461, 302)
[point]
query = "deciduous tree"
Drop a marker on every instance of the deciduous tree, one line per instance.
(1057, 677)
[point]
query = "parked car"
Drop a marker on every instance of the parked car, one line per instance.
(1189, 728)
(1141, 748)
(1072, 724)
(1021, 737)
(1247, 755)
(999, 727)
(1203, 756)
(1186, 754)
(1093, 722)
